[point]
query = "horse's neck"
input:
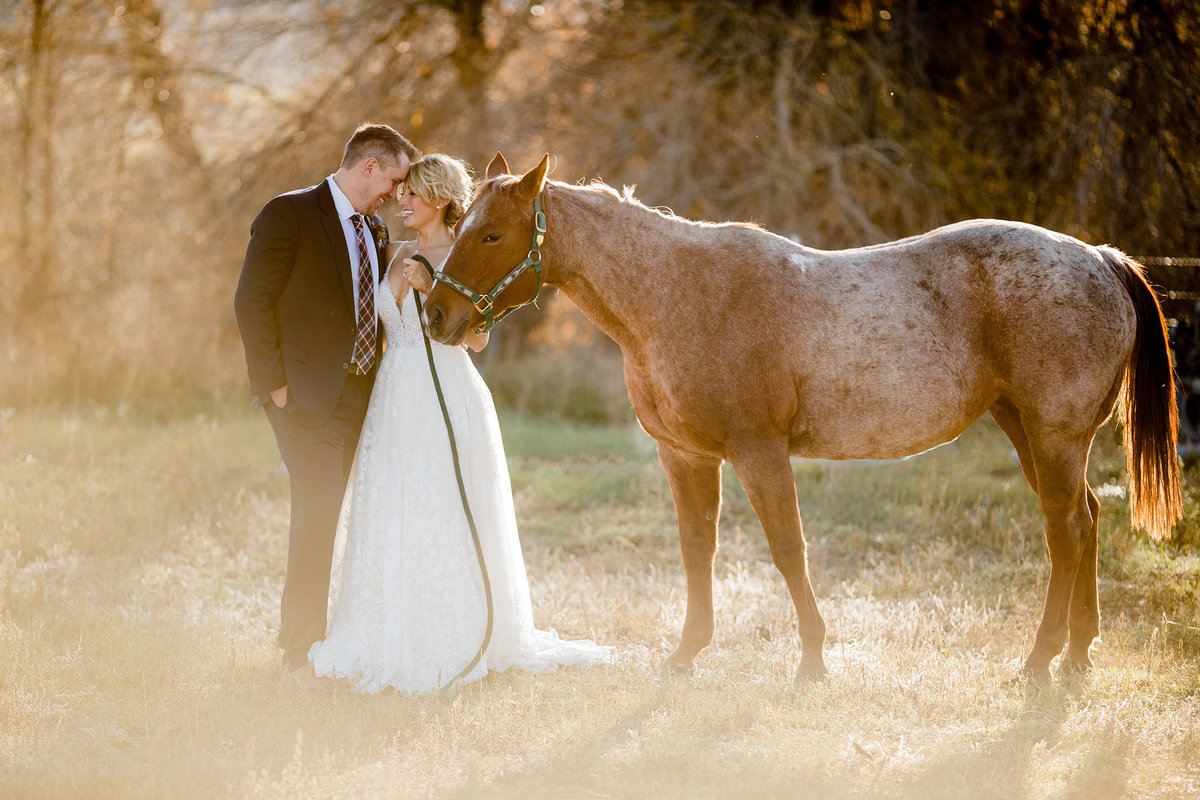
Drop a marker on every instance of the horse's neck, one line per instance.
(596, 252)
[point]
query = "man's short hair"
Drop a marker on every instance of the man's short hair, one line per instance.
(381, 142)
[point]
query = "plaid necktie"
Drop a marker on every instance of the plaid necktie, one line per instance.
(364, 341)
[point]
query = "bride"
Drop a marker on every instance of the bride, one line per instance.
(408, 607)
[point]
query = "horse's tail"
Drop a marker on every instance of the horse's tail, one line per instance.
(1147, 408)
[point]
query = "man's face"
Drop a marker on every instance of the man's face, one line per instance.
(382, 182)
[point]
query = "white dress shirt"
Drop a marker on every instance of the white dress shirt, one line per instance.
(345, 212)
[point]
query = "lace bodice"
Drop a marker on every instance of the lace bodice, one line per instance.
(399, 319)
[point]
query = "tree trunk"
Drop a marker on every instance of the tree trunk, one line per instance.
(34, 181)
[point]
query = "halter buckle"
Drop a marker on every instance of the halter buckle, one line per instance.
(484, 303)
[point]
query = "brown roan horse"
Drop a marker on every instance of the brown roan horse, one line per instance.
(742, 346)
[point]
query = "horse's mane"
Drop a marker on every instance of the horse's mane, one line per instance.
(599, 188)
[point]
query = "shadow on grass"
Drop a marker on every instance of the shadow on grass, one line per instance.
(1003, 763)
(628, 757)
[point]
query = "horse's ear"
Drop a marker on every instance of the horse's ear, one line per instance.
(497, 166)
(533, 181)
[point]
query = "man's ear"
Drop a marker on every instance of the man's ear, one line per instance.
(497, 166)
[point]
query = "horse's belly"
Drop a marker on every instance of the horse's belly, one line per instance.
(884, 428)
(868, 447)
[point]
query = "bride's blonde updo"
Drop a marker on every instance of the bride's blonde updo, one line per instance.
(438, 178)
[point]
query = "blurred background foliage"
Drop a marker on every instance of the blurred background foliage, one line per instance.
(142, 136)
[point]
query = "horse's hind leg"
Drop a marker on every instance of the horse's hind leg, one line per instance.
(1061, 463)
(696, 487)
(766, 475)
(1084, 620)
(1085, 598)
(1009, 420)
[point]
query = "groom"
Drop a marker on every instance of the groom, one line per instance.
(305, 307)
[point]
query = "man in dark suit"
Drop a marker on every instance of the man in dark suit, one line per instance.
(306, 312)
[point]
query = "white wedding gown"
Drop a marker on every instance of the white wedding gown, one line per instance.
(406, 602)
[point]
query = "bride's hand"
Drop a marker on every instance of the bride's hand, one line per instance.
(417, 277)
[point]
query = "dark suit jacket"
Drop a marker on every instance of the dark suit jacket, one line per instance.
(294, 301)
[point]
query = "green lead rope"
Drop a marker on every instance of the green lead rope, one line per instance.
(462, 489)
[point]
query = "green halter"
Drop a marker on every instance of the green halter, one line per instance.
(484, 303)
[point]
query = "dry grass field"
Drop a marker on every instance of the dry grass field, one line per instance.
(141, 562)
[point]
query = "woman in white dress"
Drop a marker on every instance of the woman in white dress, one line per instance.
(407, 605)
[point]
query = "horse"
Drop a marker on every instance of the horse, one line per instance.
(740, 345)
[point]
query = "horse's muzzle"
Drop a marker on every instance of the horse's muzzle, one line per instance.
(438, 327)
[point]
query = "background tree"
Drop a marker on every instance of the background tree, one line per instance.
(145, 134)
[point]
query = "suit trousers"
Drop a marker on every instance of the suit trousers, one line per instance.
(318, 458)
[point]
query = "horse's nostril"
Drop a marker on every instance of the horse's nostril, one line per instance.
(436, 320)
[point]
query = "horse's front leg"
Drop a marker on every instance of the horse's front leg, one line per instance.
(766, 474)
(696, 487)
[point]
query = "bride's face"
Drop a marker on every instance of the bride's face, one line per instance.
(416, 212)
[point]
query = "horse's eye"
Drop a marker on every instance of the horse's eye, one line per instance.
(491, 238)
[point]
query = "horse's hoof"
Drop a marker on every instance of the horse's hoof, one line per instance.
(1075, 667)
(675, 669)
(1035, 676)
(810, 674)
(1074, 675)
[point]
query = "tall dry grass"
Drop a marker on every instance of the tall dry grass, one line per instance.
(141, 563)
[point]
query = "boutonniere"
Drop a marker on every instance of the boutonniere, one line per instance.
(379, 231)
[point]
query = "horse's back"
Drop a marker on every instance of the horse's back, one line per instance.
(902, 345)
(981, 283)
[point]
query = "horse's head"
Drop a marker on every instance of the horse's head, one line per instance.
(494, 265)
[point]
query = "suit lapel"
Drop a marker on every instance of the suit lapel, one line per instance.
(337, 239)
